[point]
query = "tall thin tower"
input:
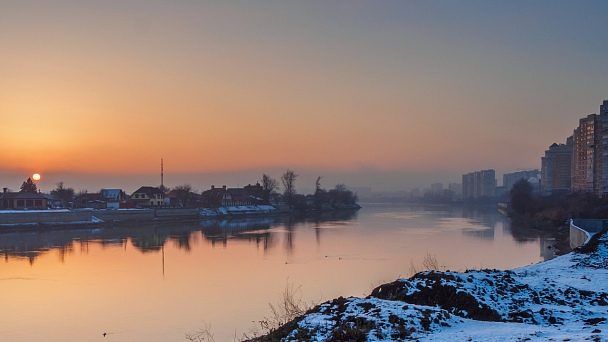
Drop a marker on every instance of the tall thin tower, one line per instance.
(162, 175)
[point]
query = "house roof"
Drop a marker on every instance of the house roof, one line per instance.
(148, 190)
(176, 193)
(92, 196)
(22, 195)
(237, 191)
(214, 193)
(111, 193)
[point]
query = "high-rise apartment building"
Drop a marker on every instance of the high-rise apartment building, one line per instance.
(509, 179)
(437, 188)
(556, 168)
(587, 155)
(603, 152)
(456, 188)
(590, 153)
(479, 184)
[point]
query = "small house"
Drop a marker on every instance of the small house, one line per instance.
(148, 196)
(23, 200)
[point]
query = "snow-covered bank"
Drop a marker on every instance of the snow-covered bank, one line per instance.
(563, 299)
(239, 210)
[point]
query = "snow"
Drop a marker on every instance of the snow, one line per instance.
(561, 299)
(8, 211)
(238, 210)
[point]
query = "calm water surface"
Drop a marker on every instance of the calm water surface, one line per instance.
(159, 282)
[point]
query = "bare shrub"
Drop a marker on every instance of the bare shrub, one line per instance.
(429, 263)
(289, 307)
(202, 335)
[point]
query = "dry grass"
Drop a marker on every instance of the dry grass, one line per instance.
(287, 308)
(202, 335)
(429, 263)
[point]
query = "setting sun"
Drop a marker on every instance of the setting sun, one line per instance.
(36, 177)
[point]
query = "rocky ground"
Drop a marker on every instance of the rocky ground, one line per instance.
(564, 299)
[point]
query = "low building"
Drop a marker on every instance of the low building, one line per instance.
(92, 201)
(113, 197)
(181, 198)
(249, 195)
(238, 196)
(148, 196)
(216, 197)
(23, 200)
(257, 194)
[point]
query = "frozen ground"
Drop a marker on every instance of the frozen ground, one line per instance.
(238, 210)
(563, 299)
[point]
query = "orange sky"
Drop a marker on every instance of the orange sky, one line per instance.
(342, 88)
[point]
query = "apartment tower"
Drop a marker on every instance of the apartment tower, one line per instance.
(556, 168)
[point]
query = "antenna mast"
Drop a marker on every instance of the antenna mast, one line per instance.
(162, 184)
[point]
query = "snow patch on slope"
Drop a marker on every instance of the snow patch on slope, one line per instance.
(562, 299)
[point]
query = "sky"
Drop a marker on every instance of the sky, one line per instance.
(391, 95)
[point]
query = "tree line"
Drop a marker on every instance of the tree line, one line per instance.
(550, 211)
(338, 197)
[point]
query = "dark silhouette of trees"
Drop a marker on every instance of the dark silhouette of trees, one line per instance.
(183, 194)
(289, 183)
(340, 196)
(65, 195)
(29, 186)
(164, 189)
(320, 193)
(269, 184)
(552, 211)
(583, 204)
(522, 201)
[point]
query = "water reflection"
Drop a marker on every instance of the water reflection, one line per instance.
(476, 222)
(152, 237)
(162, 274)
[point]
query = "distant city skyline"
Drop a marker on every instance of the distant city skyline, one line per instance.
(389, 95)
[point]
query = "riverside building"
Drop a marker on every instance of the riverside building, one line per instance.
(556, 168)
(509, 179)
(479, 184)
(589, 165)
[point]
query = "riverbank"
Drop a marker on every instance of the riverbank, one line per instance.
(561, 299)
(23, 220)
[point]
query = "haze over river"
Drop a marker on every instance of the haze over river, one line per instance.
(157, 282)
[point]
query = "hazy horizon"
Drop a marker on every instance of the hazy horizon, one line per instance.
(379, 182)
(388, 95)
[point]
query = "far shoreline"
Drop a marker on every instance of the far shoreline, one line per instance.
(45, 220)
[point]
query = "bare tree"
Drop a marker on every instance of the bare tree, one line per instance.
(183, 193)
(318, 192)
(64, 194)
(269, 184)
(289, 183)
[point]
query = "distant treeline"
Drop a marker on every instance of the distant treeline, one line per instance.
(541, 211)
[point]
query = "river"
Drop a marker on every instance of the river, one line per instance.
(158, 282)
